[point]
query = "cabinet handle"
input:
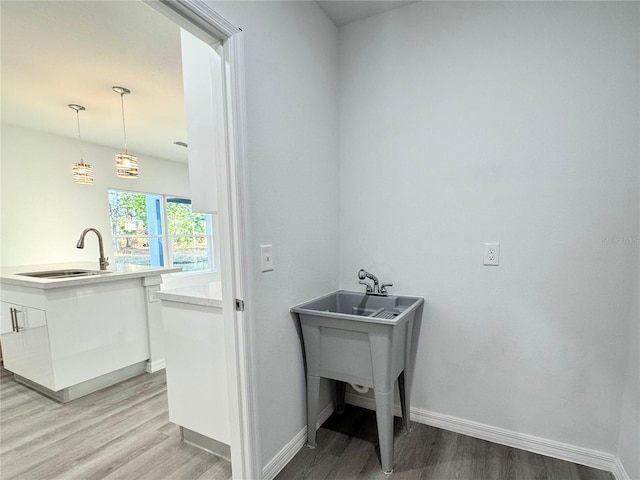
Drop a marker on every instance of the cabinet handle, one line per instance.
(14, 319)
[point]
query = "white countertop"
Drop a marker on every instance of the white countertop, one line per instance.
(208, 295)
(10, 275)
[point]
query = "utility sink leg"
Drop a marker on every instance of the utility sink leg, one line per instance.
(384, 419)
(313, 392)
(341, 388)
(404, 403)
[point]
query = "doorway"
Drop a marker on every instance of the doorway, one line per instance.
(225, 41)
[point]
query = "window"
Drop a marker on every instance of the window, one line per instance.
(158, 230)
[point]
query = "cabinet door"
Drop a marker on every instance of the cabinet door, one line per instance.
(11, 341)
(6, 317)
(18, 317)
(194, 343)
(26, 352)
(202, 79)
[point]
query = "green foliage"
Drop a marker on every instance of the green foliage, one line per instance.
(184, 225)
(187, 231)
(128, 213)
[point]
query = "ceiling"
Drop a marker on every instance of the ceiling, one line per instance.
(60, 52)
(343, 12)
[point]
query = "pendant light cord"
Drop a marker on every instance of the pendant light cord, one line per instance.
(79, 136)
(124, 128)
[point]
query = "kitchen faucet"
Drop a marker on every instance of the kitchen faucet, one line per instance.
(376, 289)
(103, 261)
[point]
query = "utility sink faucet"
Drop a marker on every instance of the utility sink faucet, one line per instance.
(376, 289)
(103, 261)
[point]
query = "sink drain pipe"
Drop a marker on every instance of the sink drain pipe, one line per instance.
(359, 388)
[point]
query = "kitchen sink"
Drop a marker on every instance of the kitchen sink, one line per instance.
(69, 273)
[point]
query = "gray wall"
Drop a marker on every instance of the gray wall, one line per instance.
(516, 122)
(629, 446)
(459, 123)
(291, 85)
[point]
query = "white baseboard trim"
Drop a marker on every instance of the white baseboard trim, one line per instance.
(284, 456)
(156, 366)
(619, 472)
(530, 443)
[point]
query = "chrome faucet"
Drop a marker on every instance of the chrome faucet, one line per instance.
(376, 289)
(103, 261)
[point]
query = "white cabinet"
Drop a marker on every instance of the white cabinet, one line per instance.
(196, 368)
(63, 338)
(203, 100)
(25, 343)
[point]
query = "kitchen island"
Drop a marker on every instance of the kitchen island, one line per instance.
(67, 337)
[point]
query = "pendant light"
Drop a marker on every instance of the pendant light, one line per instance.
(82, 172)
(126, 163)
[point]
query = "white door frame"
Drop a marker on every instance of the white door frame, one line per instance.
(199, 19)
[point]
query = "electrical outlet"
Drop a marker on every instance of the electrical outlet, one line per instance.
(266, 258)
(492, 254)
(151, 295)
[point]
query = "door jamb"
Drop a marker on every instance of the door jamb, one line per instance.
(199, 19)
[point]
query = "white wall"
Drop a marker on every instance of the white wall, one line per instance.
(515, 122)
(291, 92)
(629, 441)
(44, 212)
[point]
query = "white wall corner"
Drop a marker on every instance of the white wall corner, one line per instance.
(284, 456)
(522, 441)
(619, 472)
(156, 366)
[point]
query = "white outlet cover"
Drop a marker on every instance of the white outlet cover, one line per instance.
(492, 254)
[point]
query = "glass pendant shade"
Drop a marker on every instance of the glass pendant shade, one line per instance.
(82, 172)
(126, 163)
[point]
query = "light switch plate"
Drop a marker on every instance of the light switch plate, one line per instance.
(266, 258)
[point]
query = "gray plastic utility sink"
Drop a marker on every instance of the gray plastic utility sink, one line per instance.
(69, 273)
(378, 309)
(364, 340)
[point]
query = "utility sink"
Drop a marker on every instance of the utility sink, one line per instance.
(345, 304)
(364, 340)
(70, 273)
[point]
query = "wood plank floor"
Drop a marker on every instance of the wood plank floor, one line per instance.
(121, 432)
(347, 449)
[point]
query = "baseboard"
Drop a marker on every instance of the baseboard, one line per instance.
(81, 389)
(156, 366)
(285, 455)
(619, 472)
(211, 445)
(551, 448)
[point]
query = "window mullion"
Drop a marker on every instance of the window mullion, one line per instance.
(210, 245)
(166, 241)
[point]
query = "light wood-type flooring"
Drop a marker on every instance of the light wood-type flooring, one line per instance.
(121, 432)
(347, 449)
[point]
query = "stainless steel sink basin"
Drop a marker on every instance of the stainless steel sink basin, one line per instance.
(63, 273)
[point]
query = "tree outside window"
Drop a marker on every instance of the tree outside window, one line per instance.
(156, 230)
